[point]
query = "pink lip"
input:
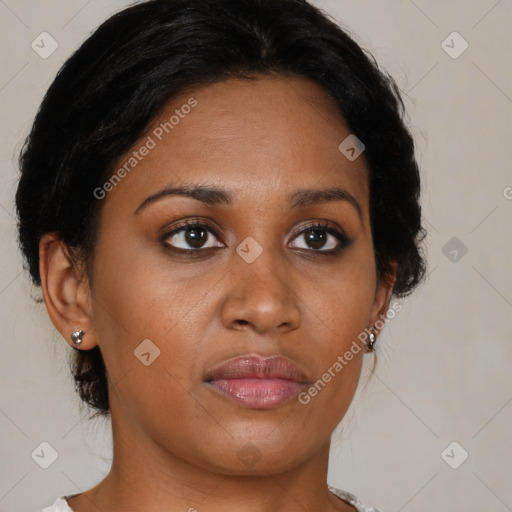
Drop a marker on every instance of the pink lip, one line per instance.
(257, 382)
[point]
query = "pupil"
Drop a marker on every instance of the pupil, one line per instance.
(316, 238)
(194, 236)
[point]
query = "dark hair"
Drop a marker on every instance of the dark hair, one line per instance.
(109, 90)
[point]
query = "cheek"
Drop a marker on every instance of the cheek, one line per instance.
(141, 295)
(142, 298)
(146, 317)
(338, 312)
(342, 297)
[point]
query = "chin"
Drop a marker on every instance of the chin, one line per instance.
(259, 457)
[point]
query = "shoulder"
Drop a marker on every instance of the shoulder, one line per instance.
(352, 500)
(60, 505)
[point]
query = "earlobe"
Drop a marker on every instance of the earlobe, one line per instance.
(66, 294)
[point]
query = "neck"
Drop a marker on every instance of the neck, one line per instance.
(144, 476)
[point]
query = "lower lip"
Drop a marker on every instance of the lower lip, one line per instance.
(257, 393)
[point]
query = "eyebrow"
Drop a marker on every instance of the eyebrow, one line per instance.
(212, 196)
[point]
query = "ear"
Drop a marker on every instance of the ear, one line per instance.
(383, 292)
(66, 292)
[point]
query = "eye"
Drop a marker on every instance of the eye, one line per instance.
(322, 238)
(191, 237)
(194, 237)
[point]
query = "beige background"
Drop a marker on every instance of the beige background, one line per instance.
(444, 371)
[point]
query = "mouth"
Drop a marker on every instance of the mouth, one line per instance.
(257, 382)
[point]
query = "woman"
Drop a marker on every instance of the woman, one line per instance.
(219, 199)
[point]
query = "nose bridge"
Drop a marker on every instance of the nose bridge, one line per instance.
(259, 293)
(260, 250)
(261, 265)
(262, 268)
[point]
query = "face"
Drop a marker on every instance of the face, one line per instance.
(212, 330)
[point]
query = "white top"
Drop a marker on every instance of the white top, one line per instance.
(61, 505)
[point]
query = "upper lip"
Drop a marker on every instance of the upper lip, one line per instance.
(257, 367)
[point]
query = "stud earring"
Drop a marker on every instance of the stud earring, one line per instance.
(373, 338)
(76, 337)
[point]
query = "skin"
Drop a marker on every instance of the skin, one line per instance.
(177, 443)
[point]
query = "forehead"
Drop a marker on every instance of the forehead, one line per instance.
(257, 138)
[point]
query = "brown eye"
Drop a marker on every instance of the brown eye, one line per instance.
(316, 238)
(195, 237)
(192, 236)
(321, 238)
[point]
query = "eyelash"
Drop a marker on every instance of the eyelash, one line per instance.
(343, 240)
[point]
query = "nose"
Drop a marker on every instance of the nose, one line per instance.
(261, 297)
